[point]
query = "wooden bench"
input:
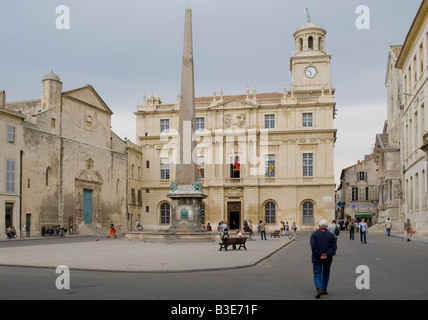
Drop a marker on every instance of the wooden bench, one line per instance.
(275, 234)
(233, 242)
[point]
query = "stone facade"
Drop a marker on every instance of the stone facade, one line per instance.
(74, 167)
(12, 143)
(413, 62)
(387, 155)
(358, 191)
(260, 156)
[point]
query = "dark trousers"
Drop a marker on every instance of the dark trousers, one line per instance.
(351, 234)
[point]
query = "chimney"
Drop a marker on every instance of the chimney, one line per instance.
(2, 98)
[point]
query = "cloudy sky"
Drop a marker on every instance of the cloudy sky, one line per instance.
(130, 47)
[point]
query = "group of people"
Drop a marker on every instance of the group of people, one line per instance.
(409, 231)
(10, 232)
(323, 244)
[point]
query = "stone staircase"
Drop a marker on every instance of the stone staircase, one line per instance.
(397, 227)
(90, 230)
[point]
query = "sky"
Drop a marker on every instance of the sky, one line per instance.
(129, 48)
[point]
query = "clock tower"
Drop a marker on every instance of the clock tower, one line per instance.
(310, 63)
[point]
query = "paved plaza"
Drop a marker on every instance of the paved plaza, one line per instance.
(101, 254)
(271, 270)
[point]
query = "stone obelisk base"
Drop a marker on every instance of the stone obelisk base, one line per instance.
(186, 210)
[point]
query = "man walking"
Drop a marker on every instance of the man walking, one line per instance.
(262, 229)
(324, 246)
(388, 226)
(363, 231)
(112, 230)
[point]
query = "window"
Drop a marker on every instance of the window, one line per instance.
(201, 167)
(308, 212)
(48, 176)
(235, 168)
(269, 121)
(203, 213)
(164, 168)
(308, 165)
(147, 209)
(367, 194)
(361, 176)
(200, 124)
(53, 123)
(140, 198)
(10, 176)
(307, 119)
(354, 196)
(132, 196)
(270, 166)
(311, 43)
(164, 125)
(10, 133)
(165, 213)
(147, 164)
(270, 212)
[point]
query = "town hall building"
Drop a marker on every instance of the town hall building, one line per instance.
(260, 156)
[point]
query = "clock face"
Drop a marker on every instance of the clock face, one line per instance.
(311, 72)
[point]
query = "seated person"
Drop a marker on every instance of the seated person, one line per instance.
(224, 235)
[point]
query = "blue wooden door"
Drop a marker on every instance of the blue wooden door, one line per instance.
(87, 206)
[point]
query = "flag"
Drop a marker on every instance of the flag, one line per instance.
(306, 10)
(200, 171)
(236, 164)
(271, 168)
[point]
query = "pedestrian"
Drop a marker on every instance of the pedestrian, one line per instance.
(408, 229)
(323, 245)
(363, 231)
(262, 227)
(333, 228)
(294, 228)
(251, 228)
(287, 228)
(388, 226)
(351, 228)
(209, 228)
(112, 230)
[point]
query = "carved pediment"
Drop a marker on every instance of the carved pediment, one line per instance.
(234, 104)
(88, 96)
(89, 175)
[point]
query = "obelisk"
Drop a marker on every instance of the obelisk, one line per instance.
(186, 169)
(186, 192)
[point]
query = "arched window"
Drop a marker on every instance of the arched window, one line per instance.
(202, 217)
(165, 210)
(308, 212)
(311, 43)
(48, 176)
(270, 212)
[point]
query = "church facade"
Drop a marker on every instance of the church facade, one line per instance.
(260, 156)
(74, 168)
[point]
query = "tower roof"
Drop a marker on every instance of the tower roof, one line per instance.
(51, 76)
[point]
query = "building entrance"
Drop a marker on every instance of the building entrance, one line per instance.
(234, 215)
